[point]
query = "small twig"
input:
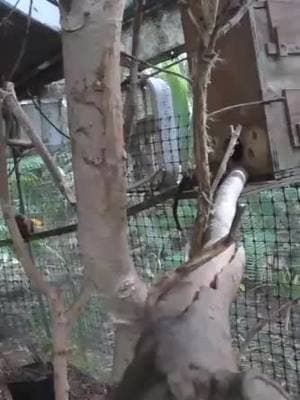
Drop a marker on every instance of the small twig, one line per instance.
(248, 104)
(24, 44)
(235, 134)
(36, 106)
(263, 322)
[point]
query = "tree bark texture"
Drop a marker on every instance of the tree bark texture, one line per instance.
(91, 50)
(185, 351)
(187, 339)
(202, 59)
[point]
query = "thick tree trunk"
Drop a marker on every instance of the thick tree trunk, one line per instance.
(188, 340)
(91, 50)
(185, 352)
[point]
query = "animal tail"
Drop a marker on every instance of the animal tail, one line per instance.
(175, 213)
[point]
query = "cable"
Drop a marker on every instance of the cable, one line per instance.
(45, 116)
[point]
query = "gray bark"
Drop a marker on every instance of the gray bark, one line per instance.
(91, 50)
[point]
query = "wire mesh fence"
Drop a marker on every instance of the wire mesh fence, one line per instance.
(266, 315)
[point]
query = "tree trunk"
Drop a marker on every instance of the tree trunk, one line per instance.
(91, 51)
(187, 340)
(185, 351)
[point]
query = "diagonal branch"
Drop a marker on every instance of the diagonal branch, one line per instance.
(10, 101)
(235, 134)
(9, 215)
(235, 19)
(241, 105)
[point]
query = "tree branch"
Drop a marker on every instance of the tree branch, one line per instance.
(241, 105)
(130, 106)
(9, 99)
(62, 321)
(235, 19)
(235, 134)
(9, 215)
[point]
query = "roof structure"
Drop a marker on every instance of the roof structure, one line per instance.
(37, 55)
(42, 60)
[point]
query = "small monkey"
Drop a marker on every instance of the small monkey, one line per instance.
(26, 225)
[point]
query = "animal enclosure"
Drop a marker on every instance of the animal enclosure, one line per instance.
(266, 315)
(121, 215)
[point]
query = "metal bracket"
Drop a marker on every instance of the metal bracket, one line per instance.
(292, 104)
(280, 48)
(284, 23)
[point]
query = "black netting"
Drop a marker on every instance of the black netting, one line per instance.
(266, 314)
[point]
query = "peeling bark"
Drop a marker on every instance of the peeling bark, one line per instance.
(188, 326)
(225, 206)
(185, 351)
(91, 51)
